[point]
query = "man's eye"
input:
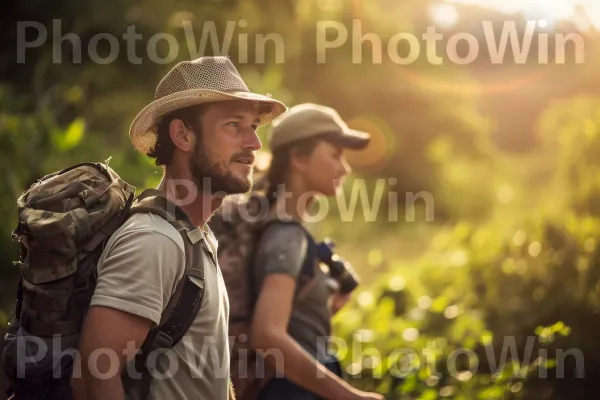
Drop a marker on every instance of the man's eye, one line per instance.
(232, 123)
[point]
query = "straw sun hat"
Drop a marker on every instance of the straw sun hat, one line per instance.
(204, 80)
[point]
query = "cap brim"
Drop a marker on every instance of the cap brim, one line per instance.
(352, 139)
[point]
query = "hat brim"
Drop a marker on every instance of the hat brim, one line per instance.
(351, 139)
(142, 131)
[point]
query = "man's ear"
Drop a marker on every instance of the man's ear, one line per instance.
(182, 137)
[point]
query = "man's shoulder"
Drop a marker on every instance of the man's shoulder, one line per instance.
(140, 266)
(149, 229)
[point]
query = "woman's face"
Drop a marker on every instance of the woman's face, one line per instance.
(325, 168)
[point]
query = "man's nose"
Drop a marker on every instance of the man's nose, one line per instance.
(253, 141)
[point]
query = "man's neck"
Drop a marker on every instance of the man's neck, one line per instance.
(183, 191)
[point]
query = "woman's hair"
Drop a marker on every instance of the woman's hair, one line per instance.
(278, 171)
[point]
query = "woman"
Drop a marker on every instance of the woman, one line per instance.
(296, 299)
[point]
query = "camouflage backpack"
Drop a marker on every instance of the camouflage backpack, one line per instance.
(238, 226)
(65, 220)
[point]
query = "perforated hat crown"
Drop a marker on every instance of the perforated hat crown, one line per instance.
(204, 80)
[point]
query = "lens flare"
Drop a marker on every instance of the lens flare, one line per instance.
(381, 148)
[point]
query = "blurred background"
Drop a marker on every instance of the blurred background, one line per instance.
(494, 269)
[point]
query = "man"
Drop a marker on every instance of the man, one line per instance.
(201, 128)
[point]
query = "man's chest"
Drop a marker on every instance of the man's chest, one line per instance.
(204, 349)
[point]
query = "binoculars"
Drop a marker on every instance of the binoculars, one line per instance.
(339, 269)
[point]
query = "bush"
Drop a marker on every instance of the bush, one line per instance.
(510, 305)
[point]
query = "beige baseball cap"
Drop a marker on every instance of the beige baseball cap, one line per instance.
(308, 120)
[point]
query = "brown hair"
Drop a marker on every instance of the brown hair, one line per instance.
(164, 148)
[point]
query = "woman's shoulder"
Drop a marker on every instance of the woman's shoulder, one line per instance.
(284, 233)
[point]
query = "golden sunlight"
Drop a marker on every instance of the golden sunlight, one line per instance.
(549, 10)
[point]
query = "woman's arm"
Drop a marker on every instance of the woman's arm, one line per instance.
(280, 255)
(269, 336)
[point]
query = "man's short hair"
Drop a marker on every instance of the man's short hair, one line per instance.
(164, 148)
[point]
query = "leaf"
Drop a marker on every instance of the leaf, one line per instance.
(440, 304)
(494, 392)
(557, 327)
(409, 384)
(72, 136)
(565, 331)
(429, 394)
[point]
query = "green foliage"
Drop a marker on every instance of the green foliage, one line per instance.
(71, 137)
(463, 318)
(507, 306)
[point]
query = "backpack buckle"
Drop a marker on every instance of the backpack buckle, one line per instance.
(162, 341)
(195, 235)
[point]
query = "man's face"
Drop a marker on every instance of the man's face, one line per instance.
(225, 148)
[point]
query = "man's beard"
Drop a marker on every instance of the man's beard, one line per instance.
(212, 177)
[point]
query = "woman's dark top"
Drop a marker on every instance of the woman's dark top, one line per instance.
(282, 250)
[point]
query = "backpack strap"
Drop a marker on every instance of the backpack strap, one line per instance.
(307, 274)
(187, 298)
(305, 279)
